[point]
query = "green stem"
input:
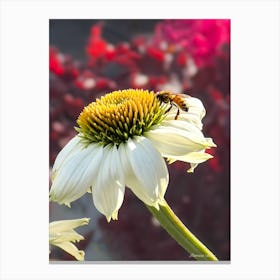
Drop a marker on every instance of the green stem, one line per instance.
(171, 223)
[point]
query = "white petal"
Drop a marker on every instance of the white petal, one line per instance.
(72, 250)
(66, 225)
(71, 147)
(182, 125)
(191, 131)
(108, 187)
(148, 175)
(193, 166)
(68, 236)
(171, 141)
(195, 114)
(61, 234)
(194, 157)
(191, 118)
(195, 106)
(76, 174)
(210, 142)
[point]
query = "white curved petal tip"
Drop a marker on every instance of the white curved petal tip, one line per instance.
(113, 216)
(84, 221)
(53, 198)
(72, 250)
(193, 166)
(170, 160)
(80, 255)
(211, 143)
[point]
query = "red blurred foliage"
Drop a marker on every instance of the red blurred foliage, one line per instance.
(55, 62)
(191, 56)
(96, 46)
(202, 39)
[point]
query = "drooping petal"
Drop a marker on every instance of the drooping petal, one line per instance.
(210, 142)
(68, 236)
(175, 141)
(108, 186)
(62, 233)
(73, 146)
(72, 250)
(193, 158)
(147, 173)
(66, 225)
(182, 125)
(76, 174)
(193, 166)
(195, 106)
(191, 119)
(195, 114)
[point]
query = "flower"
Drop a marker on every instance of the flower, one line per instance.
(62, 234)
(122, 139)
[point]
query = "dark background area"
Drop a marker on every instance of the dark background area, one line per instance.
(202, 199)
(70, 36)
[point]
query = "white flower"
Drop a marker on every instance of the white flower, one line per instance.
(62, 234)
(121, 142)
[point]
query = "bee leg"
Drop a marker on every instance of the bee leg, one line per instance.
(177, 115)
(168, 109)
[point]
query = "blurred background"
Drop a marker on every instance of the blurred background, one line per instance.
(89, 58)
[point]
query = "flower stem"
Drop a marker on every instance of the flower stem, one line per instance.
(172, 224)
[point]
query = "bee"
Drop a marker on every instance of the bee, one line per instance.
(174, 99)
